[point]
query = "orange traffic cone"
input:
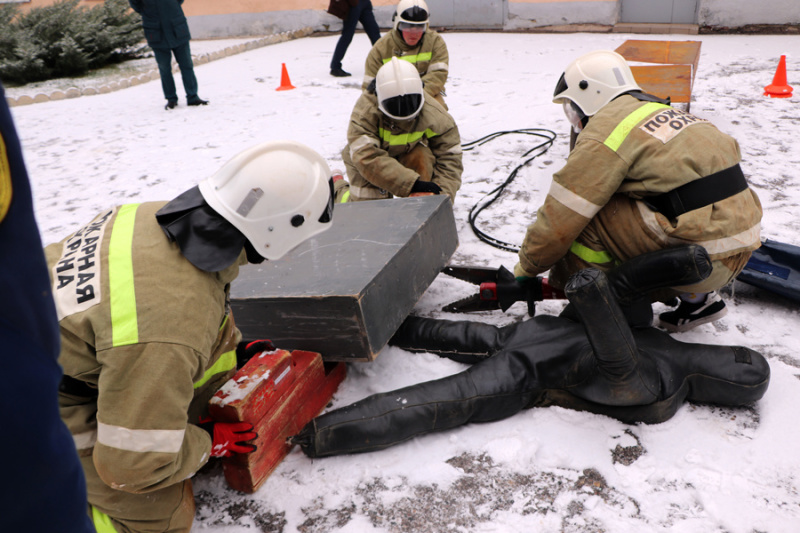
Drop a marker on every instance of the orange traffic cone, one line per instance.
(779, 88)
(286, 83)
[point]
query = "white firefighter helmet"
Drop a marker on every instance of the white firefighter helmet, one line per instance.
(411, 12)
(593, 80)
(277, 194)
(399, 90)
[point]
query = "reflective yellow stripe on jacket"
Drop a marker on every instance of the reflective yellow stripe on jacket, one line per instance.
(122, 294)
(589, 255)
(414, 58)
(405, 138)
(226, 362)
(614, 141)
(620, 133)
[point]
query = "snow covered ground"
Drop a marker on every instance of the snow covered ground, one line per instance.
(706, 470)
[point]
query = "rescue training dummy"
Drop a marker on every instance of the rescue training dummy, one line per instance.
(641, 177)
(588, 359)
(147, 336)
(412, 40)
(400, 141)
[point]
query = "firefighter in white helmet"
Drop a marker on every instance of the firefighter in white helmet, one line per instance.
(412, 40)
(147, 336)
(400, 141)
(642, 176)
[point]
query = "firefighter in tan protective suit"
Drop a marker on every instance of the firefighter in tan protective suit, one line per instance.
(641, 177)
(401, 142)
(147, 334)
(411, 40)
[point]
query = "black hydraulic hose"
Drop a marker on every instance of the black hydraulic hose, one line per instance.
(492, 196)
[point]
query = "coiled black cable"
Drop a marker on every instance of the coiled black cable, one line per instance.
(549, 137)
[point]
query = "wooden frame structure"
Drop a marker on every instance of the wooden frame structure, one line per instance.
(674, 70)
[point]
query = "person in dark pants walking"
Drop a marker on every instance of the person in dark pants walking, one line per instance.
(360, 11)
(167, 33)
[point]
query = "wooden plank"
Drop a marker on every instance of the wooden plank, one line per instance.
(345, 292)
(673, 81)
(279, 393)
(662, 52)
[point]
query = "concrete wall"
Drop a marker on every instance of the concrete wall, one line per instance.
(733, 13)
(235, 18)
(524, 14)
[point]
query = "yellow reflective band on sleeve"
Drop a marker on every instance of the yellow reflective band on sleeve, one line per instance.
(102, 522)
(345, 197)
(405, 138)
(415, 58)
(124, 322)
(589, 255)
(226, 361)
(620, 133)
(5, 181)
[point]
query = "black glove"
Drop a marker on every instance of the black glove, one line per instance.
(245, 350)
(519, 289)
(425, 186)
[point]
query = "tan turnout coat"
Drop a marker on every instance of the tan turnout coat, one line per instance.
(628, 151)
(153, 335)
(430, 56)
(375, 141)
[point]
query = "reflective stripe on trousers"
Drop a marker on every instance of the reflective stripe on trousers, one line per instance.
(102, 522)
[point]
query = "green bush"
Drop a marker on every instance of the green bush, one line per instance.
(65, 40)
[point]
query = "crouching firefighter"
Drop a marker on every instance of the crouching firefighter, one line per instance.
(641, 177)
(400, 141)
(588, 359)
(147, 336)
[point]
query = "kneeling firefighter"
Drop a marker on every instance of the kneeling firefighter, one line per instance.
(588, 359)
(642, 176)
(400, 141)
(147, 334)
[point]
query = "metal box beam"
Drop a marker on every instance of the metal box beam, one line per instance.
(345, 292)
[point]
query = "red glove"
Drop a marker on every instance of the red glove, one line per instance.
(228, 438)
(247, 350)
(231, 437)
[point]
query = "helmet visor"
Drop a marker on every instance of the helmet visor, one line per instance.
(411, 27)
(402, 106)
(327, 214)
(561, 86)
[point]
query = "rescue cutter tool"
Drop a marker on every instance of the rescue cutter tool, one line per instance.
(498, 289)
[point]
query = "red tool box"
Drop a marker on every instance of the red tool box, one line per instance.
(278, 392)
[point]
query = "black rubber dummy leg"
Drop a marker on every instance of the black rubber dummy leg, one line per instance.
(491, 390)
(461, 340)
(622, 377)
(673, 267)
